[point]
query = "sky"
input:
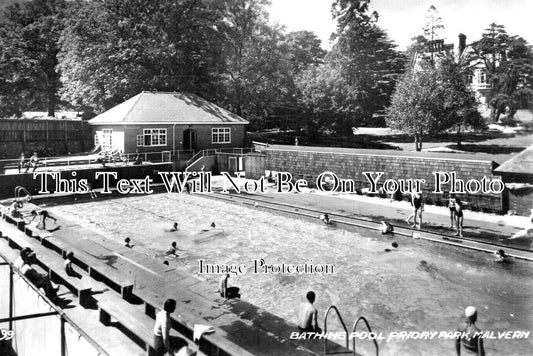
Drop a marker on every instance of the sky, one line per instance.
(404, 19)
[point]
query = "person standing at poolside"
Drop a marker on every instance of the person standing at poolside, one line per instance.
(162, 328)
(451, 207)
(459, 217)
(307, 318)
(418, 206)
(471, 340)
(22, 161)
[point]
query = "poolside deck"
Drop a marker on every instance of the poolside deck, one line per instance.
(241, 328)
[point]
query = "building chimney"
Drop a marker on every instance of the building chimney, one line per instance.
(462, 43)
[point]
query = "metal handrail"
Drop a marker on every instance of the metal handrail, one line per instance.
(200, 154)
(63, 316)
(369, 330)
(326, 330)
(20, 188)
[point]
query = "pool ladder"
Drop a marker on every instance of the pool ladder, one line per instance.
(334, 308)
(19, 189)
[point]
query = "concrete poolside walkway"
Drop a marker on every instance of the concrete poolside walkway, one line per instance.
(477, 226)
(488, 228)
(255, 330)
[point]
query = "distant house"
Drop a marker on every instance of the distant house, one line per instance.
(164, 121)
(478, 80)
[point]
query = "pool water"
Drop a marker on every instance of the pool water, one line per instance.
(419, 286)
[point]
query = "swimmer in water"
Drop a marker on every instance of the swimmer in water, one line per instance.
(501, 256)
(127, 241)
(470, 335)
(173, 249)
(211, 227)
(174, 227)
(325, 218)
(394, 244)
(386, 228)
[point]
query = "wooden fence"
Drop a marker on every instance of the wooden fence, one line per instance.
(48, 137)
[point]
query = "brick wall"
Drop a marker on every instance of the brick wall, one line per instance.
(309, 164)
(10, 181)
(175, 136)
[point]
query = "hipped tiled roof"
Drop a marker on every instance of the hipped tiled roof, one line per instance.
(167, 108)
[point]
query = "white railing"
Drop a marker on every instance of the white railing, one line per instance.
(213, 151)
(88, 160)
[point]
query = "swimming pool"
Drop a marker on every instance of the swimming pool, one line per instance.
(419, 286)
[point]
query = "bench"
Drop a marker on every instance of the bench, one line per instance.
(18, 222)
(53, 265)
(138, 326)
(95, 267)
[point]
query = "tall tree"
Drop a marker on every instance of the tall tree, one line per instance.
(416, 105)
(114, 49)
(434, 99)
(508, 62)
(433, 27)
(359, 74)
(29, 38)
(256, 72)
(460, 106)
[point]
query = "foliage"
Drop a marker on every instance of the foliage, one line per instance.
(432, 100)
(29, 44)
(433, 26)
(112, 50)
(416, 105)
(508, 61)
(359, 74)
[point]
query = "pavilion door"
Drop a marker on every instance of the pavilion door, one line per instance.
(189, 139)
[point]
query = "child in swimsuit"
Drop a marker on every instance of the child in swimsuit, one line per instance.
(451, 206)
(459, 217)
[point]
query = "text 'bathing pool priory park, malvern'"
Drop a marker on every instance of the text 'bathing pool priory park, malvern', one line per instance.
(266, 177)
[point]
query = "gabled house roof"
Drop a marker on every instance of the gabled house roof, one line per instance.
(166, 108)
(521, 163)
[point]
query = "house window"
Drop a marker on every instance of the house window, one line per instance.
(96, 140)
(152, 137)
(482, 77)
(221, 135)
(107, 139)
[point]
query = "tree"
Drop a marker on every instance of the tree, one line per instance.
(433, 99)
(359, 74)
(416, 105)
(257, 71)
(112, 50)
(460, 107)
(304, 50)
(508, 62)
(29, 38)
(433, 26)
